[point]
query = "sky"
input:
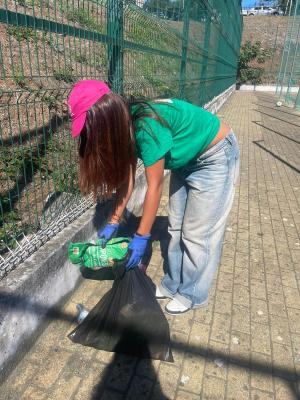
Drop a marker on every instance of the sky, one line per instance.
(250, 3)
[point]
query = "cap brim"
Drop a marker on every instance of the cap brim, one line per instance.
(78, 124)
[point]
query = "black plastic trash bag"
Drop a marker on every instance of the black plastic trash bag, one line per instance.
(128, 319)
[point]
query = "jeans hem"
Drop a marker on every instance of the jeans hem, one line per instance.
(188, 303)
(165, 291)
(183, 300)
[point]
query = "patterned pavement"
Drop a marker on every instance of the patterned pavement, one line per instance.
(246, 344)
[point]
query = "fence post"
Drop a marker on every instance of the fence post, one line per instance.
(292, 70)
(297, 101)
(115, 21)
(203, 71)
(185, 39)
(288, 50)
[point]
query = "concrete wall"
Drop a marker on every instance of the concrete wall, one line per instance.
(41, 284)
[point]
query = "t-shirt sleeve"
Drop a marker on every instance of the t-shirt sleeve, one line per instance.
(153, 141)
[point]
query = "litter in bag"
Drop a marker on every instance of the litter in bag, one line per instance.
(128, 319)
(96, 256)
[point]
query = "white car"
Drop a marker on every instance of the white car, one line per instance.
(276, 11)
(244, 12)
(264, 10)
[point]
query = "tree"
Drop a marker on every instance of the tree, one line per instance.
(251, 54)
(285, 5)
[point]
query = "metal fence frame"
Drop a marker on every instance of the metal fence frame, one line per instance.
(190, 52)
(288, 80)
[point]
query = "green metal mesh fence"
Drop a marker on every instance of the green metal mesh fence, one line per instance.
(288, 80)
(153, 48)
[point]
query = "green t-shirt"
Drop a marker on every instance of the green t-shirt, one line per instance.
(192, 130)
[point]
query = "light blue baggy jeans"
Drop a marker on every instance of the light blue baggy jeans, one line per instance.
(201, 196)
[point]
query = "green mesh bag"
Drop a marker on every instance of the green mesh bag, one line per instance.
(94, 256)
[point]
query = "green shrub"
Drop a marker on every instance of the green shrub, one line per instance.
(251, 54)
(14, 161)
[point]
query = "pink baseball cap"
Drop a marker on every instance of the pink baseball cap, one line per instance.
(82, 97)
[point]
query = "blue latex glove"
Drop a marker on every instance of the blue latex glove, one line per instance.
(137, 248)
(107, 233)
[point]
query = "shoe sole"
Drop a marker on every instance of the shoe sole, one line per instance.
(163, 298)
(177, 312)
(202, 305)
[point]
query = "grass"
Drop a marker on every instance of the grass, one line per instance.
(82, 17)
(21, 33)
(19, 79)
(51, 101)
(81, 58)
(23, 164)
(64, 75)
(29, 3)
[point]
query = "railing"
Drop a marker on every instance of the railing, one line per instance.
(186, 49)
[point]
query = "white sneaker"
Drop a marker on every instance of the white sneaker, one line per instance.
(160, 296)
(174, 307)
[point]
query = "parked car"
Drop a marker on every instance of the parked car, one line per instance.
(276, 11)
(259, 10)
(264, 10)
(244, 12)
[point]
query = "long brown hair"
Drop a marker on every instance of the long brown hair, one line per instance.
(106, 146)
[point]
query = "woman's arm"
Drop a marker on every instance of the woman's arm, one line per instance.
(155, 178)
(123, 196)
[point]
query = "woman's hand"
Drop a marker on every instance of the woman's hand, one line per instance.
(108, 232)
(136, 249)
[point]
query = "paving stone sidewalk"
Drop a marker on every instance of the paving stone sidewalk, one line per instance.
(246, 344)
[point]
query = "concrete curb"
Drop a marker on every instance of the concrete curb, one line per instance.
(44, 281)
(216, 103)
(267, 88)
(31, 290)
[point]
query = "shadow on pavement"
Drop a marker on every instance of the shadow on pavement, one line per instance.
(257, 142)
(277, 133)
(138, 385)
(280, 119)
(282, 109)
(11, 302)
